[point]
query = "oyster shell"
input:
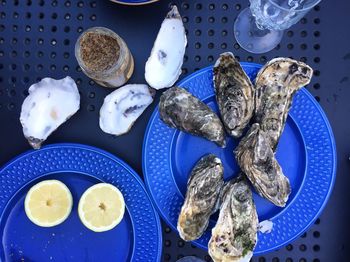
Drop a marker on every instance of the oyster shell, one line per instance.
(203, 188)
(49, 104)
(235, 233)
(234, 94)
(122, 108)
(257, 160)
(163, 67)
(276, 83)
(180, 109)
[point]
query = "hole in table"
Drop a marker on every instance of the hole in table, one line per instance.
(199, 6)
(198, 32)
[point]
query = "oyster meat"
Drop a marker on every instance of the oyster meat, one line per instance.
(122, 107)
(49, 104)
(180, 109)
(235, 233)
(163, 67)
(203, 188)
(276, 84)
(234, 94)
(257, 160)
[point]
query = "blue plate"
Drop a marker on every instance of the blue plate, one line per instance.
(137, 238)
(306, 153)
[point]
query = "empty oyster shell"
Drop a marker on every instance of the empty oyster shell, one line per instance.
(122, 107)
(257, 160)
(49, 104)
(203, 188)
(234, 94)
(163, 67)
(276, 83)
(235, 233)
(180, 109)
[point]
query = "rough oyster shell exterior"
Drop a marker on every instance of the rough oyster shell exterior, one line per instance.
(235, 233)
(234, 94)
(257, 160)
(203, 189)
(180, 109)
(276, 84)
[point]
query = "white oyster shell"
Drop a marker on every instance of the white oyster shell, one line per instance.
(123, 106)
(163, 67)
(49, 104)
(265, 226)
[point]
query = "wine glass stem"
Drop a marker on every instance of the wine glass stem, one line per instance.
(256, 29)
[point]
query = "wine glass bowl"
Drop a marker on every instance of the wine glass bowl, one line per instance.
(259, 29)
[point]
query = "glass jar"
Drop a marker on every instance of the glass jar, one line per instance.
(104, 56)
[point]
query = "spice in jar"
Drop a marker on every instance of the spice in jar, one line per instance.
(104, 57)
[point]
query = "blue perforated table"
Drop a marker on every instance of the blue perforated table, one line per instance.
(37, 39)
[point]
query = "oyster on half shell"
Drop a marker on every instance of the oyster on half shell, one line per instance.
(49, 104)
(234, 94)
(235, 233)
(276, 84)
(180, 109)
(257, 160)
(203, 188)
(163, 67)
(122, 108)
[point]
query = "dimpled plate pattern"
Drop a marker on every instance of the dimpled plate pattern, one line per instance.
(88, 162)
(314, 189)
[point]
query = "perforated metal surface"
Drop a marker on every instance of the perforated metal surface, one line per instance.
(37, 39)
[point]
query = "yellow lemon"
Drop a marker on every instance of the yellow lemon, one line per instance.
(101, 207)
(48, 203)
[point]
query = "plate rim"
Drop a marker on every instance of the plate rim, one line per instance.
(329, 133)
(96, 150)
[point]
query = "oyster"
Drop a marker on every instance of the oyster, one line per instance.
(122, 107)
(276, 83)
(163, 67)
(180, 109)
(235, 233)
(234, 94)
(257, 160)
(49, 104)
(203, 188)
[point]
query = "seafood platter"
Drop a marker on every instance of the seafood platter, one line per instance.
(231, 158)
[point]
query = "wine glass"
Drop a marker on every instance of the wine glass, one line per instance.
(259, 29)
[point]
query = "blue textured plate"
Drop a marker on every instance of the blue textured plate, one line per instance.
(306, 153)
(137, 238)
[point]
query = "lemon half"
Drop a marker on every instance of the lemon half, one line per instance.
(101, 207)
(48, 203)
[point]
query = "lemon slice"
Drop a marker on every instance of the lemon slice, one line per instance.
(101, 207)
(48, 203)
